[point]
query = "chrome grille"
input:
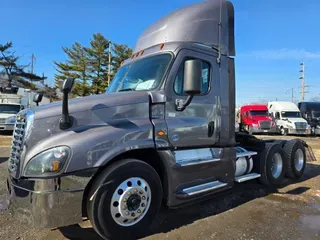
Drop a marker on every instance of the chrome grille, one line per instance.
(2, 120)
(265, 125)
(17, 143)
(301, 125)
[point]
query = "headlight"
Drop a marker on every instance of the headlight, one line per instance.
(11, 120)
(308, 126)
(48, 163)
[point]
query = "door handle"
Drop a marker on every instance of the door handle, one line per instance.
(210, 128)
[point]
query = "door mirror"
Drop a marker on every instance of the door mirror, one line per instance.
(68, 85)
(37, 98)
(192, 83)
(277, 115)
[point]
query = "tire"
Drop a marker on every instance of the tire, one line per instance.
(295, 158)
(283, 131)
(105, 204)
(313, 131)
(271, 152)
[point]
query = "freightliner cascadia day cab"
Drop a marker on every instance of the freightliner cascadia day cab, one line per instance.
(310, 111)
(288, 118)
(163, 133)
(254, 118)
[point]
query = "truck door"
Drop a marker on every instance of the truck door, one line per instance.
(199, 124)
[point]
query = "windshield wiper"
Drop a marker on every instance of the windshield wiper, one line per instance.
(126, 89)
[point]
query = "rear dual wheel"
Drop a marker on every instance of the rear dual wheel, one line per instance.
(271, 164)
(124, 199)
(295, 158)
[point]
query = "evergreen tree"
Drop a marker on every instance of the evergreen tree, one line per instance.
(76, 66)
(98, 58)
(120, 53)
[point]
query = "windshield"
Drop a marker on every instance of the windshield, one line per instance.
(11, 109)
(145, 74)
(259, 113)
(316, 114)
(291, 114)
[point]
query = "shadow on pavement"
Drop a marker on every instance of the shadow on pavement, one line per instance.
(3, 159)
(169, 219)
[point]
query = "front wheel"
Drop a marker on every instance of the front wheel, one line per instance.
(124, 199)
(283, 131)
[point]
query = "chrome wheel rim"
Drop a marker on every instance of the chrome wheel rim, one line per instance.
(282, 131)
(277, 165)
(130, 201)
(298, 160)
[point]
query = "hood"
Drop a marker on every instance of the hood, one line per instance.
(92, 103)
(6, 115)
(294, 120)
(261, 118)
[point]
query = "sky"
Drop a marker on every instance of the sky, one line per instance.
(272, 37)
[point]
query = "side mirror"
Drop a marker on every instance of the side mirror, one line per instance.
(192, 82)
(277, 115)
(68, 85)
(66, 120)
(37, 98)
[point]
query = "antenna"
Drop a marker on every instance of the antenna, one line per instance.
(219, 34)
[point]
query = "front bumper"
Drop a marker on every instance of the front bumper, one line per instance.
(6, 127)
(47, 203)
(299, 131)
(256, 129)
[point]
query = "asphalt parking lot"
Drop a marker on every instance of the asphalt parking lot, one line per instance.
(249, 211)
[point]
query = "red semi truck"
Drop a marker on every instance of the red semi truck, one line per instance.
(255, 118)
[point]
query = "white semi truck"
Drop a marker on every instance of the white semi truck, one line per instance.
(288, 118)
(13, 100)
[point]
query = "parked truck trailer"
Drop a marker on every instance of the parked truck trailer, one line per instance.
(163, 133)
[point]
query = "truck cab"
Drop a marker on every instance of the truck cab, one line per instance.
(310, 111)
(8, 112)
(12, 101)
(162, 133)
(288, 118)
(255, 118)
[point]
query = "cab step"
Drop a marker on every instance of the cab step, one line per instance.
(247, 177)
(202, 188)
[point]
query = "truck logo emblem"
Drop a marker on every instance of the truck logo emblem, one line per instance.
(175, 137)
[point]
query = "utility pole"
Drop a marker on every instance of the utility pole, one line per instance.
(292, 95)
(303, 86)
(109, 63)
(33, 59)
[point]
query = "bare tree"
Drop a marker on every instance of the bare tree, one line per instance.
(10, 66)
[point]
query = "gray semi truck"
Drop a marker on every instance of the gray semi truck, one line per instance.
(163, 133)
